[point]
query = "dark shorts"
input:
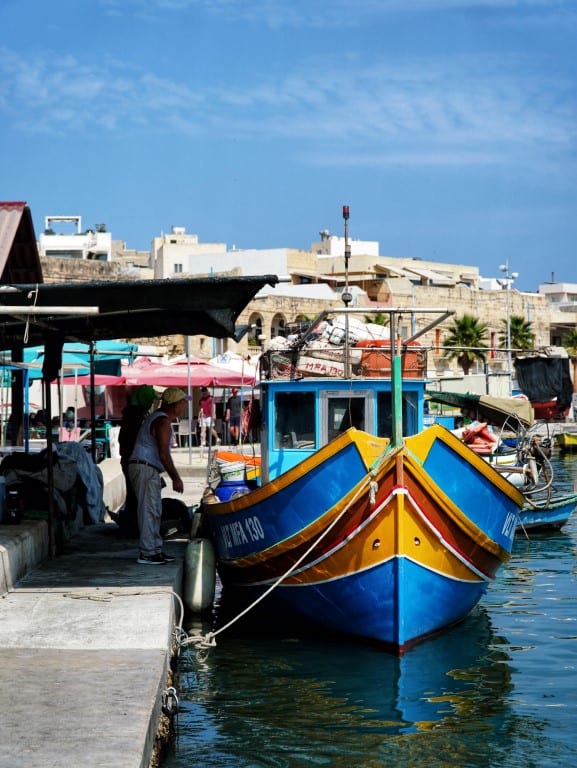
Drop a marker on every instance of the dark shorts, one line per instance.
(234, 422)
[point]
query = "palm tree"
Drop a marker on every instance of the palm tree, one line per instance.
(570, 344)
(467, 338)
(521, 332)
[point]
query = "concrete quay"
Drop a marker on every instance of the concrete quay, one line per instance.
(86, 639)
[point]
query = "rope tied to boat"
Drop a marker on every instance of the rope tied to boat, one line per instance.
(205, 642)
(373, 488)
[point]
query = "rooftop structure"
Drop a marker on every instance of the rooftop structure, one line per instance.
(95, 244)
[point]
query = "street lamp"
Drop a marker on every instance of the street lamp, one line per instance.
(507, 282)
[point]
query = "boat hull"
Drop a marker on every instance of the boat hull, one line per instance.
(566, 441)
(391, 547)
(547, 515)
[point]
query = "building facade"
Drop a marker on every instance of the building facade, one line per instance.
(314, 280)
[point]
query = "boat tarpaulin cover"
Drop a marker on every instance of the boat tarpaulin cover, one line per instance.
(545, 378)
(496, 410)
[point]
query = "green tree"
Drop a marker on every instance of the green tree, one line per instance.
(570, 344)
(522, 336)
(466, 340)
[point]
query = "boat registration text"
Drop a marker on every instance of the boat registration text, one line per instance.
(242, 532)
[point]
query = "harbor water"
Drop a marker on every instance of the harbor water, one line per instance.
(500, 689)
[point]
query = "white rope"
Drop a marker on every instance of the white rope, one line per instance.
(209, 640)
(27, 326)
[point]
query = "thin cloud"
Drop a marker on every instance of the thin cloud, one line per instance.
(339, 13)
(490, 112)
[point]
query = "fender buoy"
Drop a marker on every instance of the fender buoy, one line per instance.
(199, 575)
(478, 432)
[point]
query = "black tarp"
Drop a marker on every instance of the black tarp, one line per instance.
(544, 378)
(127, 309)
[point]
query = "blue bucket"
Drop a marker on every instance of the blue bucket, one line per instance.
(226, 489)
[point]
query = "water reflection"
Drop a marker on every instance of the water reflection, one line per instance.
(496, 691)
(284, 701)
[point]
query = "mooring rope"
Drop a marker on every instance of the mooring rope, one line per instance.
(208, 640)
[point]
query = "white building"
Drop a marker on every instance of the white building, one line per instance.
(561, 296)
(181, 253)
(332, 245)
(90, 244)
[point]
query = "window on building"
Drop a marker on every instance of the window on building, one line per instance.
(178, 268)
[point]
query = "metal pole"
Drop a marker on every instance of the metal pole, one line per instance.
(92, 402)
(509, 362)
(396, 383)
(510, 278)
(346, 295)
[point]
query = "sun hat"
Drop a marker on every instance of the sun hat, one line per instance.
(173, 395)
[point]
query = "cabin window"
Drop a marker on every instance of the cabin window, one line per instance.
(295, 425)
(344, 413)
(385, 414)
(342, 409)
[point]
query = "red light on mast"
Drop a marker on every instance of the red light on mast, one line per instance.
(345, 212)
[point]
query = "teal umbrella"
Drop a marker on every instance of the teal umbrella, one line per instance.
(108, 356)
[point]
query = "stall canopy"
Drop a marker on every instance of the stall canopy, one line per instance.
(129, 309)
(232, 360)
(185, 374)
(108, 356)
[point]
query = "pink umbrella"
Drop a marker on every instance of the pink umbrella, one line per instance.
(197, 374)
(100, 380)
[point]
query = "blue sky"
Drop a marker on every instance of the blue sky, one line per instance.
(448, 126)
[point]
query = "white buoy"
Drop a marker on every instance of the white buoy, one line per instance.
(199, 575)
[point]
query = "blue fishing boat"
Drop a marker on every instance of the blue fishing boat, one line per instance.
(527, 465)
(547, 513)
(363, 521)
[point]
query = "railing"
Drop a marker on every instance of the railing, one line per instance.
(326, 361)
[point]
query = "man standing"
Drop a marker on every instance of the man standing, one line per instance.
(232, 416)
(206, 417)
(150, 457)
(133, 415)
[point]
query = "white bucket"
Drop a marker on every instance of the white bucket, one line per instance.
(231, 471)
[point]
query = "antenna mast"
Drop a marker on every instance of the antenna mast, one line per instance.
(346, 295)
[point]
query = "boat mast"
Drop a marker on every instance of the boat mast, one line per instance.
(396, 382)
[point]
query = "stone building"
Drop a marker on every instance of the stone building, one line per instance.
(314, 280)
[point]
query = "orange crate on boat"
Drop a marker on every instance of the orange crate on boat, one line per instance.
(376, 360)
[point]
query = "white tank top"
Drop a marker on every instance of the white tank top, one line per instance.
(145, 446)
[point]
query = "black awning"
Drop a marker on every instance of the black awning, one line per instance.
(127, 309)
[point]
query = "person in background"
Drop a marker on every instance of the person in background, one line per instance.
(68, 418)
(150, 457)
(139, 404)
(232, 415)
(206, 416)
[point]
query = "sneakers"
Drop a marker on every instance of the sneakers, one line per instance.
(159, 559)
